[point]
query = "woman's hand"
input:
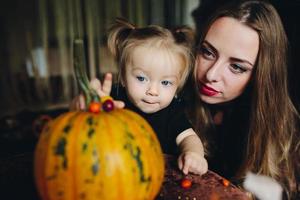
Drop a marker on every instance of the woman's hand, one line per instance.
(78, 103)
(192, 162)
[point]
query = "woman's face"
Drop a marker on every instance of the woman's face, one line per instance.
(225, 60)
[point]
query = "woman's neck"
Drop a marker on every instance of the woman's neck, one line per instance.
(218, 110)
(218, 117)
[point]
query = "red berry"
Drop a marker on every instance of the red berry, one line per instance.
(225, 182)
(108, 105)
(94, 107)
(186, 183)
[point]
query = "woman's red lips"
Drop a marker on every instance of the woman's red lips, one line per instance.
(208, 91)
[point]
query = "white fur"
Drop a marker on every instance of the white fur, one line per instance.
(263, 187)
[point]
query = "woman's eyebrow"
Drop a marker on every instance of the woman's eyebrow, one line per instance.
(210, 45)
(232, 58)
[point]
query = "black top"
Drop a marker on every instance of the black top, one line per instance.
(167, 123)
(228, 142)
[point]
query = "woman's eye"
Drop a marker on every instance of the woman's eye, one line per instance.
(166, 83)
(140, 78)
(207, 53)
(235, 68)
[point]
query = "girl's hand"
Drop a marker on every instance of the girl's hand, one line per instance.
(192, 162)
(78, 103)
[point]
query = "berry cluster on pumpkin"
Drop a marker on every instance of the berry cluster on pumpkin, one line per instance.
(106, 104)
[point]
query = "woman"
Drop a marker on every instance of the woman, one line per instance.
(243, 111)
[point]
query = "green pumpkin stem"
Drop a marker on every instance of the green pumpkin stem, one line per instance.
(80, 72)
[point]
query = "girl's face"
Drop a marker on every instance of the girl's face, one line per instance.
(225, 60)
(151, 78)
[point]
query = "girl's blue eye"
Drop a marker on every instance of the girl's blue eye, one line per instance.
(166, 83)
(140, 78)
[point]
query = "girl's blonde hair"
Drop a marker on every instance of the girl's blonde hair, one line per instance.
(124, 37)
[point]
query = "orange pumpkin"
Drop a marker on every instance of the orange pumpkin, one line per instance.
(111, 155)
(107, 156)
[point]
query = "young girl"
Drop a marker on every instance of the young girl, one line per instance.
(154, 65)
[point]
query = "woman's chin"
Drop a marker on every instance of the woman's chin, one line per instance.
(211, 99)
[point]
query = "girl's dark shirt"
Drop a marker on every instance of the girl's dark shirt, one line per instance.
(167, 123)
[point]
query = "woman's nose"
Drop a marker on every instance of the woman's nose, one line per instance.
(153, 89)
(214, 72)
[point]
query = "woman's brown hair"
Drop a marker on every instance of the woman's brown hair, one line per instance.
(272, 131)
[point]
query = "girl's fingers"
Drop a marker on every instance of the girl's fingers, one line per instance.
(95, 84)
(78, 103)
(107, 84)
(180, 162)
(119, 104)
(102, 89)
(81, 101)
(183, 164)
(186, 167)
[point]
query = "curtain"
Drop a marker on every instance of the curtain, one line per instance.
(36, 66)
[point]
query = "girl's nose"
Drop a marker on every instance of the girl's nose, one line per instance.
(153, 89)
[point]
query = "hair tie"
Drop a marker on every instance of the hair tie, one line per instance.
(133, 27)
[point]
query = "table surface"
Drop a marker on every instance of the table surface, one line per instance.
(209, 186)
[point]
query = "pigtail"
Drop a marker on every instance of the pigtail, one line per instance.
(118, 33)
(184, 35)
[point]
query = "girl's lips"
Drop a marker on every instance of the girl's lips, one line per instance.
(208, 91)
(148, 102)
